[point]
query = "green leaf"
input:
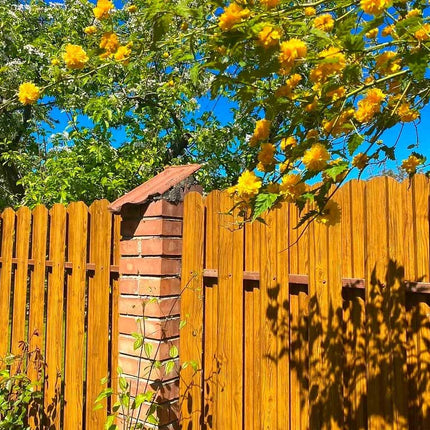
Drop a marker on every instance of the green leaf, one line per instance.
(417, 62)
(263, 202)
(354, 142)
(148, 349)
(336, 170)
(169, 366)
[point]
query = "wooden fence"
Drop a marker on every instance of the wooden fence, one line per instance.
(331, 331)
(58, 279)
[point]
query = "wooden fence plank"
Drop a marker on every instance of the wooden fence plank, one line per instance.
(75, 317)
(98, 310)
(37, 286)
(191, 338)
(212, 203)
(8, 228)
(55, 316)
(23, 226)
(269, 305)
(282, 317)
(379, 399)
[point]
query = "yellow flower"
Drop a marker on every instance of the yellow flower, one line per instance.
(339, 124)
(413, 12)
(372, 34)
(370, 105)
(310, 11)
(407, 114)
(270, 3)
(262, 129)
(386, 31)
(269, 36)
(291, 50)
(336, 94)
(360, 161)
(375, 7)
(75, 57)
(330, 215)
(324, 22)
(55, 61)
(28, 93)
(232, 15)
(333, 61)
(266, 155)
(109, 42)
(410, 164)
(316, 157)
(287, 89)
(423, 33)
(132, 9)
(288, 142)
(122, 54)
(92, 29)
(291, 187)
(388, 63)
(248, 184)
(102, 9)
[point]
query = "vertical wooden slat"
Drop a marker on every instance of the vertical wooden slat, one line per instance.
(192, 312)
(253, 333)
(230, 318)
(75, 316)
(212, 202)
(269, 306)
(379, 399)
(23, 226)
(37, 286)
(55, 315)
(8, 227)
(283, 317)
(325, 331)
(98, 310)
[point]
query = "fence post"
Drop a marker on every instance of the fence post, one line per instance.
(149, 289)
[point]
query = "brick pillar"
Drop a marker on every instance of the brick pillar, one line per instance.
(151, 247)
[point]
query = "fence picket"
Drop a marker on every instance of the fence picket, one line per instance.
(98, 310)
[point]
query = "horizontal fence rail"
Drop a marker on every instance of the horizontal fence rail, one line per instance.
(318, 327)
(58, 293)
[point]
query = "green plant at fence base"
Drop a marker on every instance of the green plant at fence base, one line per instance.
(20, 397)
(137, 407)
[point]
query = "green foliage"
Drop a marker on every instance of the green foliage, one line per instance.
(20, 397)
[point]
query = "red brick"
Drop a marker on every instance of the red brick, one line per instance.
(160, 348)
(164, 208)
(161, 246)
(138, 306)
(150, 286)
(151, 227)
(149, 266)
(131, 365)
(165, 390)
(154, 329)
(129, 247)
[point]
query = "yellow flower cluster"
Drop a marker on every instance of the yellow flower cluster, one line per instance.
(291, 51)
(316, 157)
(132, 8)
(336, 94)
(292, 187)
(332, 61)
(330, 215)
(270, 3)
(410, 164)
(102, 9)
(75, 57)
(407, 114)
(266, 157)
(290, 84)
(372, 34)
(288, 142)
(269, 36)
(109, 42)
(92, 29)
(310, 11)
(370, 105)
(247, 186)
(388, 63)
(340, 124)
(28, 93)
(233, 14)
(360, 161)
(261, 131)
(423, 33)
(122, 54)
(375, 7)
(324, 22)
